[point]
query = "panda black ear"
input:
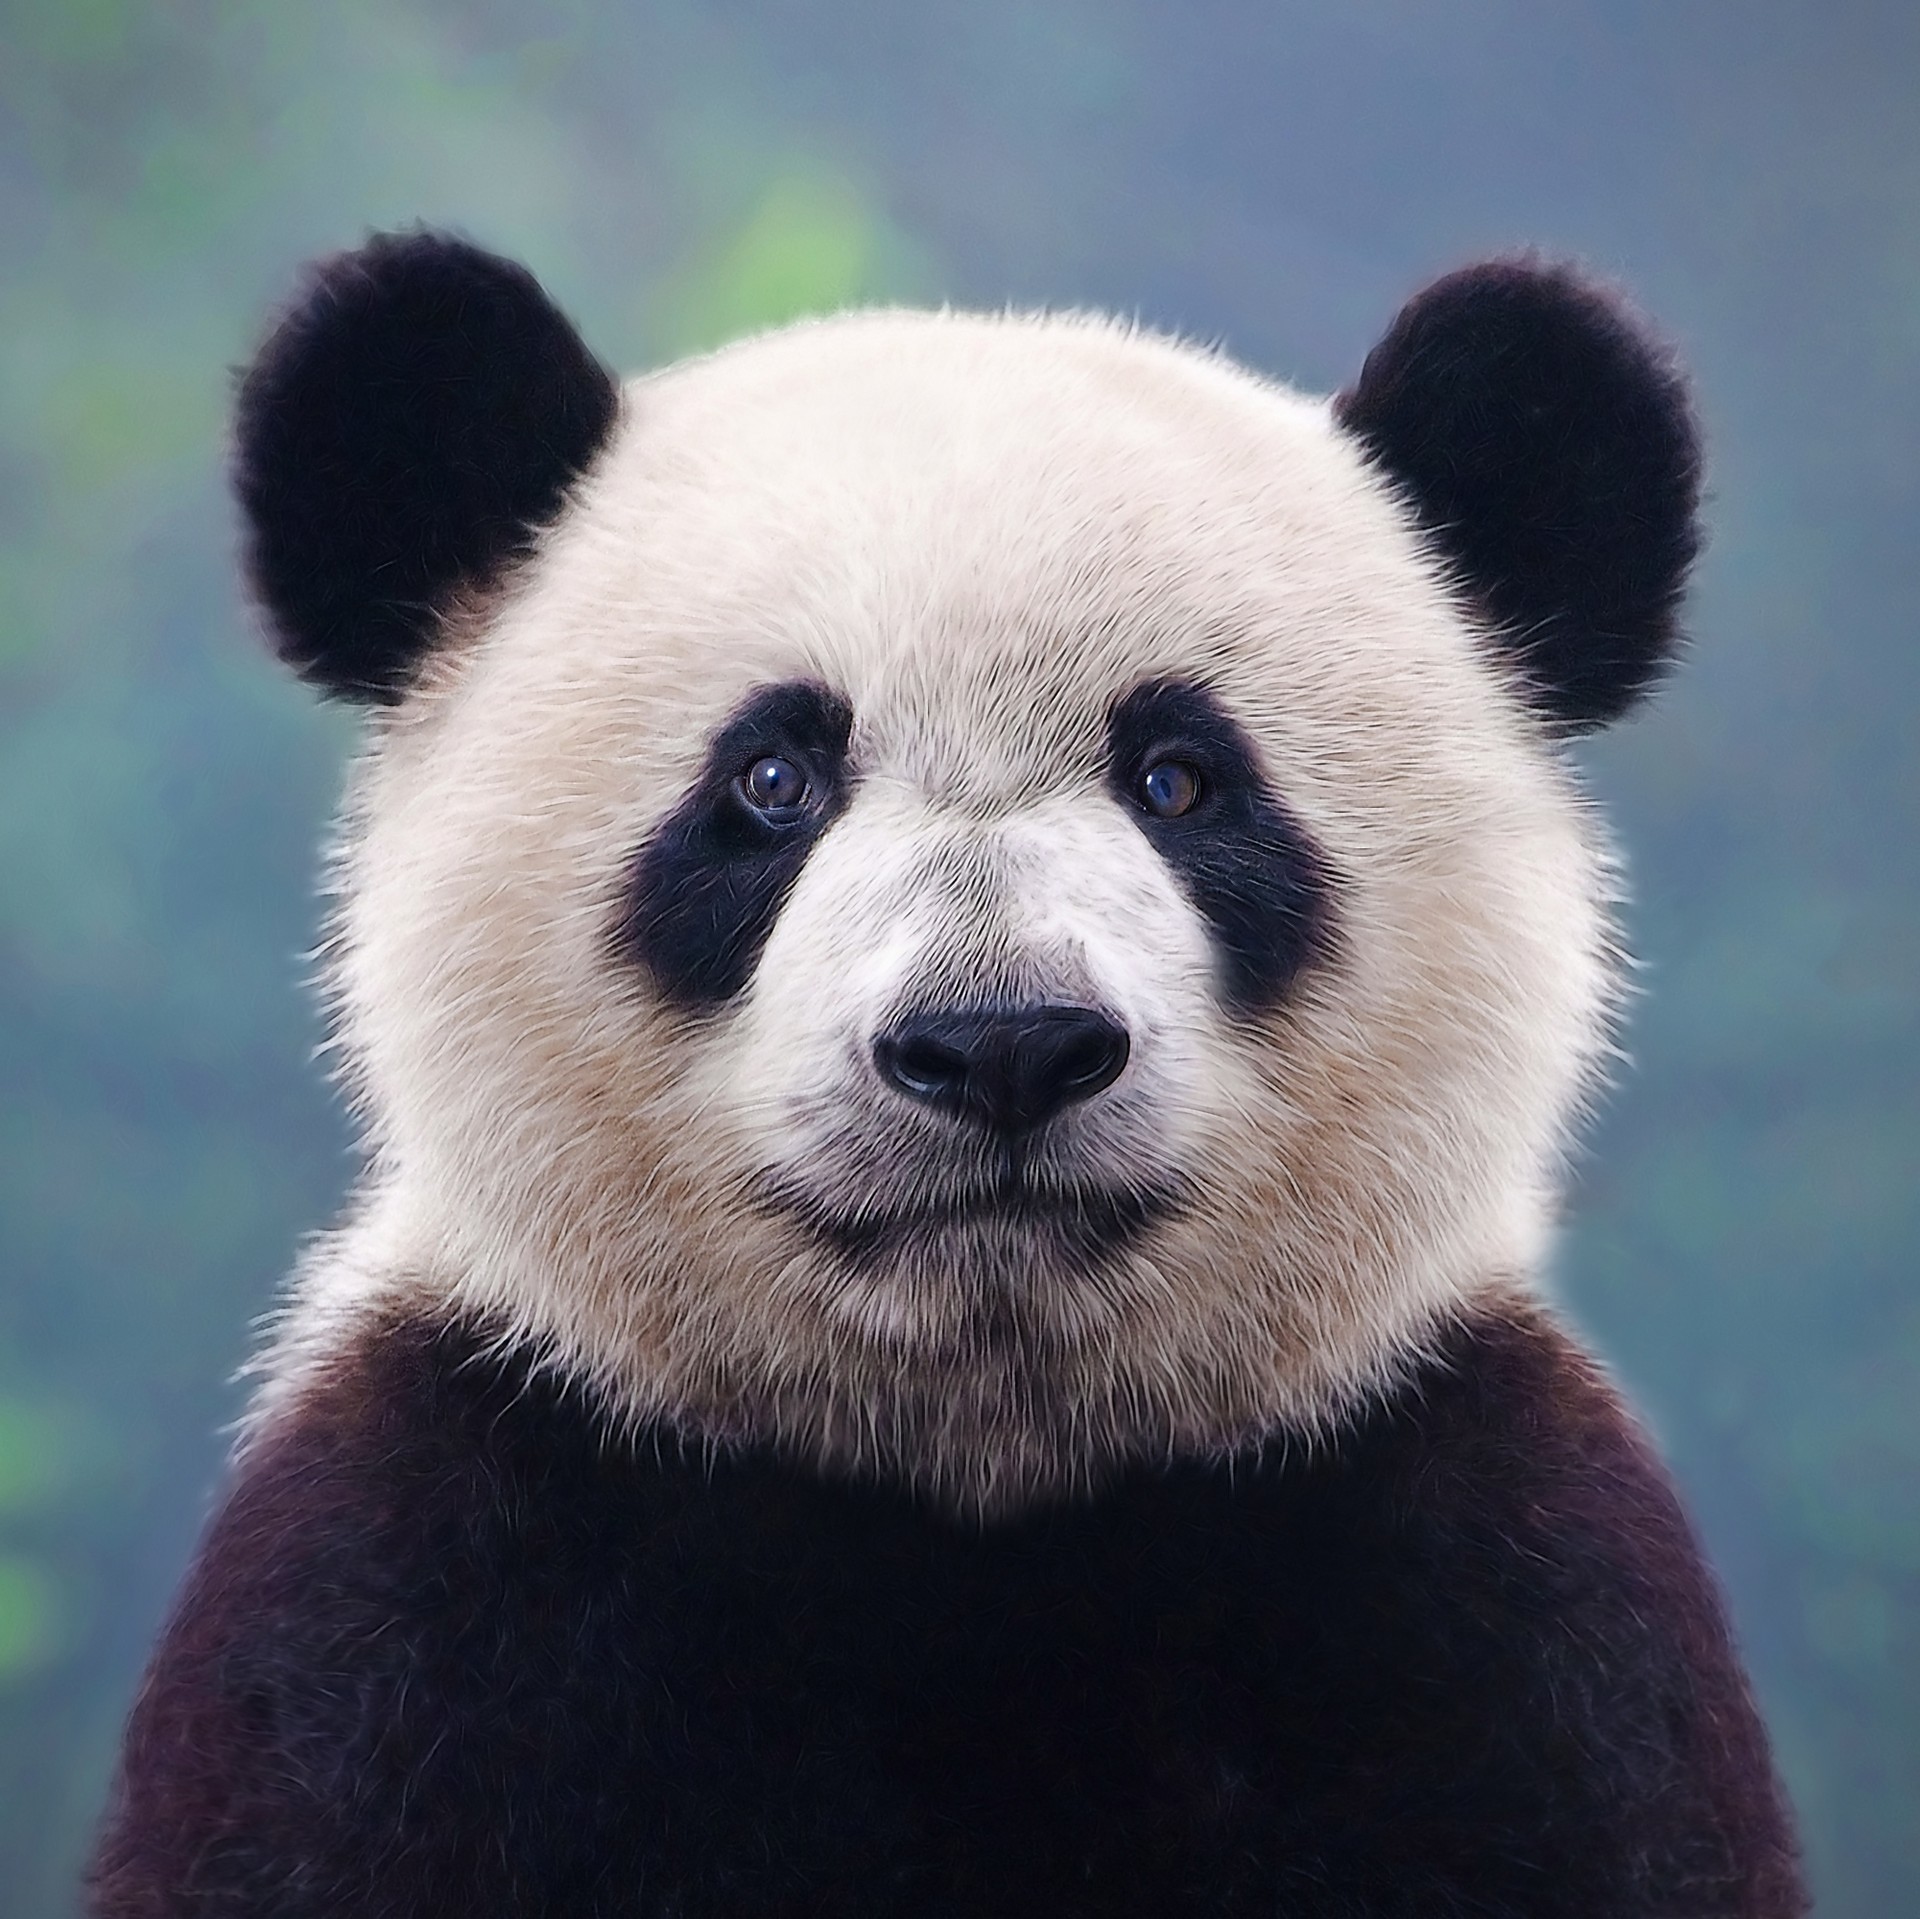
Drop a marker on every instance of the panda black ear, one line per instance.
(417, 414)
(1548, 444)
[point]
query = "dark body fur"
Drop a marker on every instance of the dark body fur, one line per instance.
(452, 1648)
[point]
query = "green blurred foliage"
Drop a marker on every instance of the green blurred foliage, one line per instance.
(809, 245)
(1744, 1227)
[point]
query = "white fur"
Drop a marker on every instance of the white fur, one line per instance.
(982, 531)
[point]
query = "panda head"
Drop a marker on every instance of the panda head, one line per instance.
(974, 898)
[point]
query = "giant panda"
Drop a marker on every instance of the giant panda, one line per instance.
(966, 949)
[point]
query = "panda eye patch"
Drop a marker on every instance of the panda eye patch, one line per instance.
(1192, 780)
(703, 892)
(775, 787)
(1169, 788)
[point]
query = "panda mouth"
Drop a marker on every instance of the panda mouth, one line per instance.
(1079, 1225)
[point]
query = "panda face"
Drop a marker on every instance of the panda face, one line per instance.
(978, 907)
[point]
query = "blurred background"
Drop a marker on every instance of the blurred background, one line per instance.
(1269, 174)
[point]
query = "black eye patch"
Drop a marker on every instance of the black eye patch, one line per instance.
(1263, 886)
(707, 887)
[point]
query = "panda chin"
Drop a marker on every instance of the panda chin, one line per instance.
(1002, 1238)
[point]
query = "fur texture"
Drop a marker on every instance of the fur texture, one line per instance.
(416, 414)
(1256, 877)
(712, 878)
(452, 1647)
(1549, 444)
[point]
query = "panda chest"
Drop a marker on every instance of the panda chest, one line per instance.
(627, 1651)
(834, 1681)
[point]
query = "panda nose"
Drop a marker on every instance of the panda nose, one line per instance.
(1011, 1069)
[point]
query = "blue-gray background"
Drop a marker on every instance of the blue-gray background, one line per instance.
(1273, 175)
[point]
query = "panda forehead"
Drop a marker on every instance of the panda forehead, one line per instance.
(982, 533)
(1069, 459)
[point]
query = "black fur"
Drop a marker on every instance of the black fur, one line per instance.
(410, 423)
(708, 886)
(1248, 865)
(453, 1648)
(1548, 444)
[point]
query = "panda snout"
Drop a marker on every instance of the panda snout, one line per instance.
(1010, 1069)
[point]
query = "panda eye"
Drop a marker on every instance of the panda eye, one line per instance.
(1169, 788)
(774, 787)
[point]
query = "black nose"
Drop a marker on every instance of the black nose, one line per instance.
(1011, 1069)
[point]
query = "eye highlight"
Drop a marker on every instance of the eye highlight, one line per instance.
(774, 787)
(1169, 788)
